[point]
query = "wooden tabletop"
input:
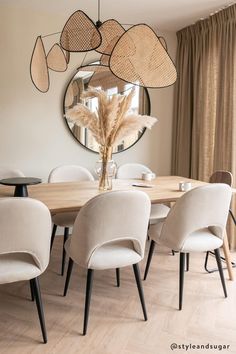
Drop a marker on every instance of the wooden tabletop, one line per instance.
(71, 196)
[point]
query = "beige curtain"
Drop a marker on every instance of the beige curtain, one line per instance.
(204, 130)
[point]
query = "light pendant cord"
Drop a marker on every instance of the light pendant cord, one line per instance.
(99, 22)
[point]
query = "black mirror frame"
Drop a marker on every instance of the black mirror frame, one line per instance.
(87, 148)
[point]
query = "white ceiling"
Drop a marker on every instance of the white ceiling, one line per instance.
(161, 14)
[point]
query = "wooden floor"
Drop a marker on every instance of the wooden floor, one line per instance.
(116, 323)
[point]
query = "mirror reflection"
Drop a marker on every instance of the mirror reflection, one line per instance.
(99, 76)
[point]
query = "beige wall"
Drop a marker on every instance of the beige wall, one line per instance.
(33, 135)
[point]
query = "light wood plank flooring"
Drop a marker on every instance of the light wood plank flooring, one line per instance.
(116, 322)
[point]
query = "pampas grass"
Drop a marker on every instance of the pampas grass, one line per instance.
(111, 123)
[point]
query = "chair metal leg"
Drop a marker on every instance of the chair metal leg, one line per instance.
(232, 216)
(150, 253)
(118, 277)
(218, 260)
(54, 229)
(187, 262)
(69, 270)
(31, 291)
(36, 290)
(222, 258)
(66, 234)
(88, 298)
(140, 289)
(181, 278)
(173, 252)
(215, 269)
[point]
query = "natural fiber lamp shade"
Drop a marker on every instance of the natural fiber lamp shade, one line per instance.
(80, 34)
(111, 31)
(140, 58)
(104, 60)
(56, 58)
(94, 68)
(38, 67)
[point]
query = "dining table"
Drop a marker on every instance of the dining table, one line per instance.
(72, 196)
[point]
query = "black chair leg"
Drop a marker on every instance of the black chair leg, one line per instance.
(140, 289)
(181, 278)
(150, 253)
(118, 277)
(66, 234)
(232, 216)
(88, 298)
(173, 252)
(31, 291)
(187, 262)
(54, 229)
(36, 290)
(69, 270)
(219, 264)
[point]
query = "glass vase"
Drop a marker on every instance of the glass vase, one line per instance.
(105, 168)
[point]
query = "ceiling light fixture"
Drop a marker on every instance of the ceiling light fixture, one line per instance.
(136, 55)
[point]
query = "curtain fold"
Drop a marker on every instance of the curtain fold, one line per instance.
(204, 133)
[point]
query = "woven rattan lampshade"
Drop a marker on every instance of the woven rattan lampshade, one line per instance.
(67, 55)
(140, 58)
(94, 68)
(38, 67)
(104, 60)
(163, 42)
(56, 59)
(80, 34)
(137, 56)
(111, 31)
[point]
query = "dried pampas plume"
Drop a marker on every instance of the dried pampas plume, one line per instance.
(111, 123)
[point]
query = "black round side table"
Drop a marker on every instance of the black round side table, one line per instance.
(20, 184)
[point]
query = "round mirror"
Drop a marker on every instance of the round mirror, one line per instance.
(99, 76)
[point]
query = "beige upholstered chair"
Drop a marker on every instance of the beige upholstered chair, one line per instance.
(109, 232)
(6, 172)
(66, 173)
(220, 176)
(25, 230)
(195, 223)
(135, 170)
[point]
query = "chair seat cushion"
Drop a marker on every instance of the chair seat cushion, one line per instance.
(201, 241)
(17, 267)
(158, 211)
(114, 255)
(66, 219)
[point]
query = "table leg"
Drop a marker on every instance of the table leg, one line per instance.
(227, 256)
(21, 191)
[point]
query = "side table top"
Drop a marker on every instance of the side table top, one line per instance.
(20, 181)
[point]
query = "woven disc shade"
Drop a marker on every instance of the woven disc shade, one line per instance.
(56, 59)
(104, 60)
(94, 68)
(140, 58)
(111, 31)
(163, 42)
(80, 34)
(67, 55)
(38, 67)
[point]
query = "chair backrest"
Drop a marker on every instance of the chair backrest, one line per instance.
(6, 172)
(202, 207)
(70, 173)
(222, 176)
(131, 170)
(109, 217)
(25, 227)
